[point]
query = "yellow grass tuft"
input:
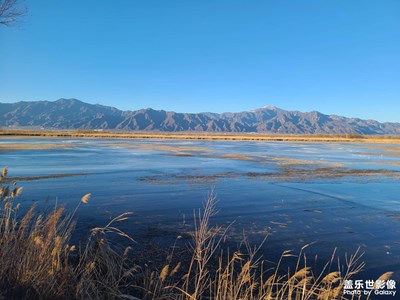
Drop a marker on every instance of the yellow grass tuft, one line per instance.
(176, 269)
(164, 273)
(85, 199)
(4, 172)
(385, 276)
(332, 277)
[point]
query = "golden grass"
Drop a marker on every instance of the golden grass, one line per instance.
(31, 146)
(206, 136)
(37, 261)
(85, 199)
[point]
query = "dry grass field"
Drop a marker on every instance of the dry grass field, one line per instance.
(355, 138)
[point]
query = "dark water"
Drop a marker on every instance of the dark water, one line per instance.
(297, 193)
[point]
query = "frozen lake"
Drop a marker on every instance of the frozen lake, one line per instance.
(330, 194)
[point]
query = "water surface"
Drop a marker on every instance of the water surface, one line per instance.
(328, 194)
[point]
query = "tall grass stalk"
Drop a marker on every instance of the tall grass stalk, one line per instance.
(37, 260)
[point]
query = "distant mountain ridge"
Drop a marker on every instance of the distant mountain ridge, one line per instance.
(75, 114)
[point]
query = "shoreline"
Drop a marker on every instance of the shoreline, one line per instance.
(334, 138)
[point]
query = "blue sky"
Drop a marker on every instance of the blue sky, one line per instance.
(335, 56)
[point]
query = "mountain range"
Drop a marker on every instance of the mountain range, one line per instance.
(75, 114)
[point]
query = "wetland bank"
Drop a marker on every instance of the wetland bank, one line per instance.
(340, 196)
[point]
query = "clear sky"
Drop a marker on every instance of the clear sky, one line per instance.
(335, 56)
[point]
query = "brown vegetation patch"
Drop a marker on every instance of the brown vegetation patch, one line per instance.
(206, 178)
(303, 162)
(290, 172)
(183, 154)
(285, 173)
(240, 157)
(313, 211)
(157, 180)
(32, 146)
(175, 178)
(33, 178)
